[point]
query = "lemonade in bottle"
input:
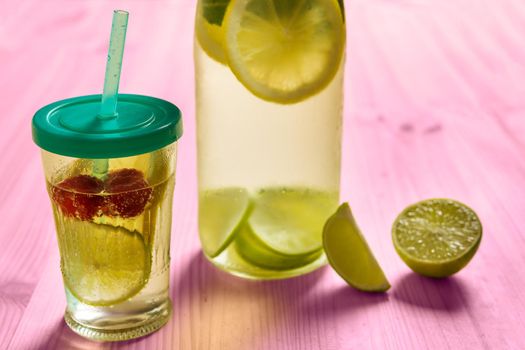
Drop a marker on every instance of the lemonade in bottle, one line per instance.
(269, 91)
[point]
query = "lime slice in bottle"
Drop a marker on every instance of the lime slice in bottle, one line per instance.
(102, 265)
(221, 213)
(290, 221)
(209, 29)
(252, 249)
(284, 230)
(282, 50)
(349, 254)
(437, 237)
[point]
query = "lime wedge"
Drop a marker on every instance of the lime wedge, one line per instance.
(208, 27)
(213, 10)
(252, 249)
(221, 213)
(290, 221)
(349, 254)
(102, 265)
(284, 230)
(135, 224)
(284, 50)
(437, 237)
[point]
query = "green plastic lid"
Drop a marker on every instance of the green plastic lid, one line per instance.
(73, 127)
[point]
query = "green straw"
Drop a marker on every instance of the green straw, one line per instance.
(108, 107)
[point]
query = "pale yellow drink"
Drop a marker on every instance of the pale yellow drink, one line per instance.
(268, 159)
(113, 233)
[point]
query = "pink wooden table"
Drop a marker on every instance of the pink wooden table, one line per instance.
(435, 106)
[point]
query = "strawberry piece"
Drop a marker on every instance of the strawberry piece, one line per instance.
(128, 193)
(78, 196)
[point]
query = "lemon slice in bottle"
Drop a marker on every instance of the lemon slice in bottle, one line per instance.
(102, 265)
(437, 237)
(284, 50)
(221, 213)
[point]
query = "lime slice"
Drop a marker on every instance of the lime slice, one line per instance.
(134, 224)
(208, 27)
(102, 265)
(290, 221)
(284, 50)
(213, 10)
(437, 237)
(221, 213)
(349, 254)
(256, 252)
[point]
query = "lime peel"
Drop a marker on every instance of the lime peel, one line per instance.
(349, 254)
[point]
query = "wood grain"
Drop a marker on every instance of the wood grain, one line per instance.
(434, 107)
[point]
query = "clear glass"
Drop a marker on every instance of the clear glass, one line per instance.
(113, 231)
(284, 157)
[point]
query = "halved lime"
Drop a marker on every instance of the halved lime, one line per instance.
(437, 237)
(221, 213)
(284, 50)
(349, 254)
(102, 265)
(209, 29)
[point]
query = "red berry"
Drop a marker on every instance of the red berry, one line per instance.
(78, 196)
(128, 193)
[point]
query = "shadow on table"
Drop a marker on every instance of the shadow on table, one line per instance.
(343, 301)
(200, 277)
(446, 294)
(213, 307)
(64, 338)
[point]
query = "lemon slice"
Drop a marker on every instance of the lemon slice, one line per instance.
(102, 265)
(284, 50)
(437, 237)
(349, 254)
(208, 27)
(221, 213)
